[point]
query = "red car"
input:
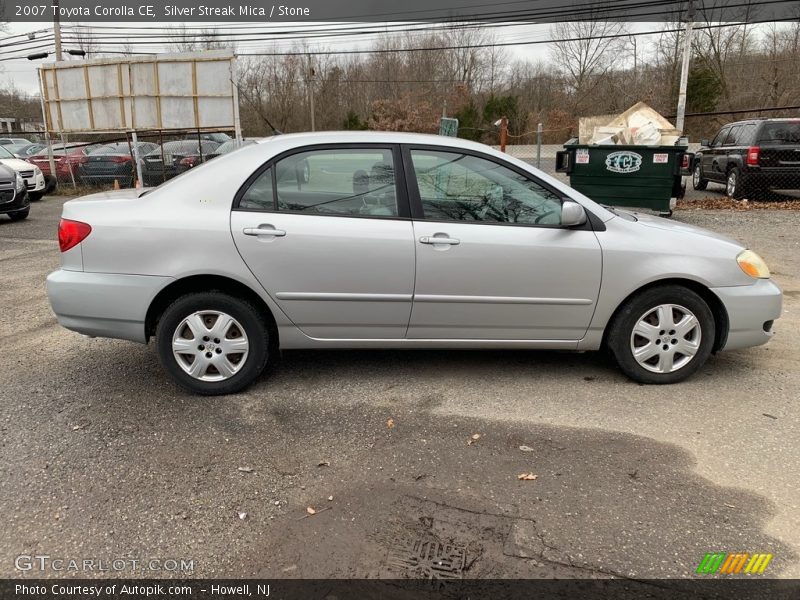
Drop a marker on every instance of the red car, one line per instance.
(67, 158)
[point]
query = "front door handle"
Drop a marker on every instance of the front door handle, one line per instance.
(439, 240)
(264, 230)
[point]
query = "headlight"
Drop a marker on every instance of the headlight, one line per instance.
(752, 264)
(20, 183)
(36, 171)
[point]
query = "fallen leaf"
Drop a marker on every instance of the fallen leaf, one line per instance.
(475, 437)
(526, 448)
(330, 498)
(245, 469)
(390, 423)
(729, 505)
(526, 476)
(311, 511)
(77, 427)
(324, 463)
(241, 515)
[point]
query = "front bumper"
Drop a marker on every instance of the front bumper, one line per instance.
(19, 203)
(750, 308)
(103, 304)
(35, 183)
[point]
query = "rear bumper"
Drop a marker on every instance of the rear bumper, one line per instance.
(103, 304)
(779, 179)
(749, 308)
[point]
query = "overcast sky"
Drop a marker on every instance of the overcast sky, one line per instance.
(22, 73)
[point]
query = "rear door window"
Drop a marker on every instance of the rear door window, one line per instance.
(730, 139)
(342, 182)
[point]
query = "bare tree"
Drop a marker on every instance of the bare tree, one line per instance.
(584, 53)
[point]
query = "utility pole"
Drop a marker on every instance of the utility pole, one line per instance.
(311, 78)
(57, 30)
(687, 52)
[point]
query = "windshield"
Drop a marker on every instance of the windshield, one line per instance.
(5, 153)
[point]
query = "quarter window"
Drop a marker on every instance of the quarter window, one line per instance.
(347, 182)
(460, 187)
(259, 195)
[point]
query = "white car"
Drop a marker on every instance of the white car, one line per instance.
(31, 174)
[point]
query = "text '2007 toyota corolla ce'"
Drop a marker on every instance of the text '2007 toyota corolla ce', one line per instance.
(388, 240)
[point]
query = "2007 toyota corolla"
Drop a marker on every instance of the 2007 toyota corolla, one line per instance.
(385, 240)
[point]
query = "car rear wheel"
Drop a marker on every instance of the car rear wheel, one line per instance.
(212, 343)
(698, 183)
(663, 335)
(734, 186)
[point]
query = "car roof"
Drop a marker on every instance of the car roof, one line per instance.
(372, 137)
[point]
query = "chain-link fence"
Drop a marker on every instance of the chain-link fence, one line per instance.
(110, 161)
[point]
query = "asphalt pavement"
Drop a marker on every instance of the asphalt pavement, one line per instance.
(398, 455)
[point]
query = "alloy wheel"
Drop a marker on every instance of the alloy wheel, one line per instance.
(666, 338)
(730, 187)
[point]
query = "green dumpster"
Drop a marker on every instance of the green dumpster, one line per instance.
(632, 176)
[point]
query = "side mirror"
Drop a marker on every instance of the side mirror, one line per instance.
(705, 142)
(572, 214)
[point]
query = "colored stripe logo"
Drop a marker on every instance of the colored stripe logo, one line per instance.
(726, 563)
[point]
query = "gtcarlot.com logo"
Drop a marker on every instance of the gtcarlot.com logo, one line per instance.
(44, 562)
(725, 563)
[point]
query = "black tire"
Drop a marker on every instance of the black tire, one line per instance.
(734, 185)
(20, 214)
(621, 333)
(35, 196)
(698, 183)
(252, 322)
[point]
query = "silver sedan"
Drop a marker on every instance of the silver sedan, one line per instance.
(388, 240)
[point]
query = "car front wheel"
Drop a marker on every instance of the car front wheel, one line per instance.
(663, 335)
(212, 343)
(20, 214)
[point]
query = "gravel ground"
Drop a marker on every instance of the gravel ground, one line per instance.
(102, 457)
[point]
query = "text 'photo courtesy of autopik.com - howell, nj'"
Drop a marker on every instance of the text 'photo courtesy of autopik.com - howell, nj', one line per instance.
(349, 300)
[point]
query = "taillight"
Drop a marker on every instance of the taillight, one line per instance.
(121, 159)
(685, 162)
(72, 233)
(189, 161)
(752, 156)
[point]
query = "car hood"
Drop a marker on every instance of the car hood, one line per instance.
(678, 227)
(17, 164)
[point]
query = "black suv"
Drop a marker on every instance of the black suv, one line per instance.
(751, 157)
(13, 194)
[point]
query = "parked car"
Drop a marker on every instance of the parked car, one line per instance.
(112, 162)
(25, 150)
(229, 146)
(13, 195)
(9, 140)
(67, 157)
(751, 158)
(220, 138)
(175, 158)
(31, 174)
(396, 241)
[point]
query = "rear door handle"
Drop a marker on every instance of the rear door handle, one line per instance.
(439, 240)
(266, 231)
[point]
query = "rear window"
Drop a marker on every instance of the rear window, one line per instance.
(786, 132)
